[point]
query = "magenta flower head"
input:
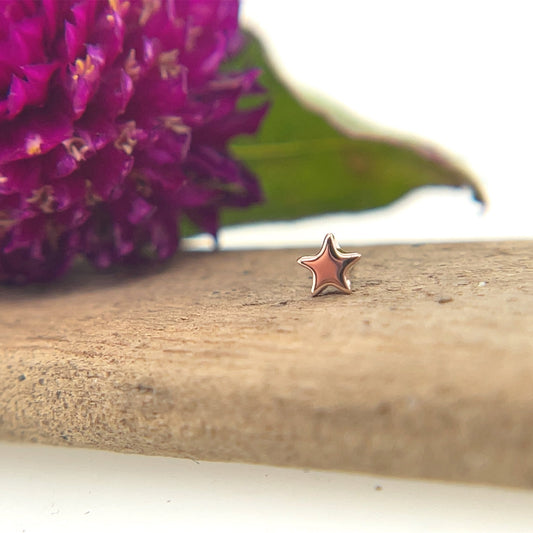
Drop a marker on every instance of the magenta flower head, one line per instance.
(114, 122)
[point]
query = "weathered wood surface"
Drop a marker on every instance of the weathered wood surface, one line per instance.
(426, 370)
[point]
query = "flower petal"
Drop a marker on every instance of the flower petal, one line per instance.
(32, 133)
(32, 90)
(106, 171)
(76, 33)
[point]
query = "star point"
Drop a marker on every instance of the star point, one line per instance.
(330, 266)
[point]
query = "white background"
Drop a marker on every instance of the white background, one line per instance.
(65, 490)
(457, 73)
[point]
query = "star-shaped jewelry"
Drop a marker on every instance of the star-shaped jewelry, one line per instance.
(329, 266)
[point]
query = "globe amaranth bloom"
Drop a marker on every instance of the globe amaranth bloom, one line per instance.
(114, 122)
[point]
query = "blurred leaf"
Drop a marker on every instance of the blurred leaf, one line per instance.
(309, 167)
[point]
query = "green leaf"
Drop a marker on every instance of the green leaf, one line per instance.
(309, 167)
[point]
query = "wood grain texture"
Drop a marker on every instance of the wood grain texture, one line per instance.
(426, 370)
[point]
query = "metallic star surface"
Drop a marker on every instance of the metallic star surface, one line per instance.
(330, 266)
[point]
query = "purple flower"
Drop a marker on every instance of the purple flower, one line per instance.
(114, 122)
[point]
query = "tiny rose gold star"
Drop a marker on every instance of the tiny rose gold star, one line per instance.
(329, 266)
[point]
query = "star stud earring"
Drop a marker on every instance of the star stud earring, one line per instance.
(330, 266)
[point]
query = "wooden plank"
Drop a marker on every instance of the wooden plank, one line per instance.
(426, 370)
